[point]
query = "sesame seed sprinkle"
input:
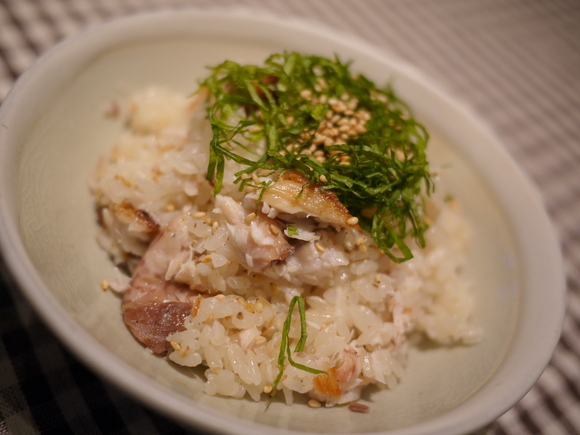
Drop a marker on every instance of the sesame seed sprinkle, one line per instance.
(314, 403)
(249, 218)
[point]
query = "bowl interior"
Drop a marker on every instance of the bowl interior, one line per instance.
(55, 218)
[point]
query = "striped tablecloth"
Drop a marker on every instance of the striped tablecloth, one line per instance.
(515, 62)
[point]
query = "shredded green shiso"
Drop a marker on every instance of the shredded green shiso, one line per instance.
(285, 350)
(380, 173)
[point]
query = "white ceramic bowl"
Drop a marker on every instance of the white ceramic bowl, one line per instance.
(52, 130)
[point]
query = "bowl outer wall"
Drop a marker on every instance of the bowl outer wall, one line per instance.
(539, 327)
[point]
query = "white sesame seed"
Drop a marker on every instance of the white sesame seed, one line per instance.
(352, 221)
(318, 139)
(314, 403)
(260, 340)
(200, 214)
(249, 218)
(319, 247)
(360, 129)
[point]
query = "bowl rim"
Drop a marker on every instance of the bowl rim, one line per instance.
(548, 268)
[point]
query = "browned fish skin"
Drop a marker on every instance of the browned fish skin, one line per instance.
(153, 308)
(293, 194)
(130, 215)
(151, 321)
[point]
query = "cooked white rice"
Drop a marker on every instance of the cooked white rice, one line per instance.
(361, 308)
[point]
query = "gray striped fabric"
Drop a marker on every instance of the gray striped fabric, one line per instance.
(515, 62)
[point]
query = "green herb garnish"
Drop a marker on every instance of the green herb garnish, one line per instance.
(292, 231)
(285, 344)
(311, 114)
